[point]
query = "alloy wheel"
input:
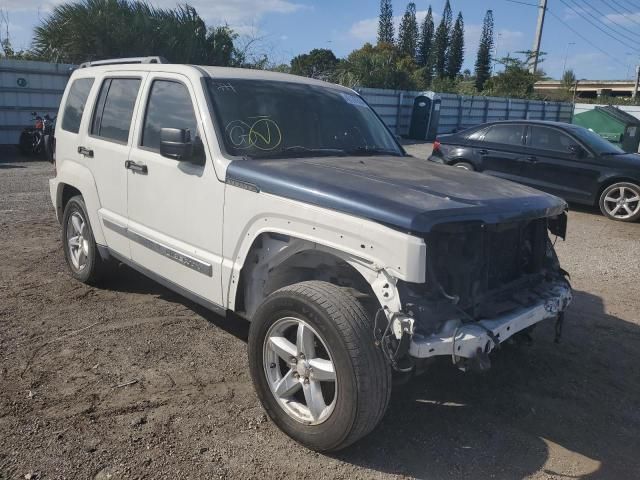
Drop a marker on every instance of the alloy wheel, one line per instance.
(300, 371)
(77, 241)
(622, 203)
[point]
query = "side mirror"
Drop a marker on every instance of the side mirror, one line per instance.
(577, 150)
(176, 143)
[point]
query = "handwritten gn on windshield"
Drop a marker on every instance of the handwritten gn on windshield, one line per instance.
(262, 134)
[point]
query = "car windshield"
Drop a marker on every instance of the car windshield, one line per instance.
(274, 119)
(599, 145)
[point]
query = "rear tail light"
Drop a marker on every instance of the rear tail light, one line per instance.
(436, 146)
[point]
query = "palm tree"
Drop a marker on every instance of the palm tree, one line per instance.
(99, 29)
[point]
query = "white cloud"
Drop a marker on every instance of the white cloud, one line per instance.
(31, 5)
(631, 19)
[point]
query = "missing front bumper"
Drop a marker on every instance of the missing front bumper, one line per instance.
(468, 340)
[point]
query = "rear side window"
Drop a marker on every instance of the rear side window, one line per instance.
(114, 110)
(505, 134)
(477, 135)
(169, 106)
(545, 138)
(76, 100)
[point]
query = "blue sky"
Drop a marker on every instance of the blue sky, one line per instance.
(289, 27)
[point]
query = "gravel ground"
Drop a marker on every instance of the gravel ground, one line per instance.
(132, 381)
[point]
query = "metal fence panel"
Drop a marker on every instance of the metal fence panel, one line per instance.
(393, 106)
(27, 86)
(458, 112)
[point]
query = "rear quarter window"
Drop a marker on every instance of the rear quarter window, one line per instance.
(505, 134)
(74, 106)
(477, 134)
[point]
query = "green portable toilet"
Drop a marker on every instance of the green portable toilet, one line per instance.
(612, 124)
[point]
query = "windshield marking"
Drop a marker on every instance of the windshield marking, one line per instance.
(225, 87)
(262, 134)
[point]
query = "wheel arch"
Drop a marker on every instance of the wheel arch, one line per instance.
(464, 160)
(75, 179)
(275, 260)
(606, 183)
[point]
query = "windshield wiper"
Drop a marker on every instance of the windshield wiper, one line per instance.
(300, 151)
(372, 151)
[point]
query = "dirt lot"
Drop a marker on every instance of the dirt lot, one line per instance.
(133, 381)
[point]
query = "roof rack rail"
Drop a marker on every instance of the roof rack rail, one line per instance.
(120, 61)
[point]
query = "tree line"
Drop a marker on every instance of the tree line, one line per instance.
(421, 56)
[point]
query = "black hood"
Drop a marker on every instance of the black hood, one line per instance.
(402, 192)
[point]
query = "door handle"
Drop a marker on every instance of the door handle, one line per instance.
(532, 159)
(87, 152)
(136, 167)
(483, 152)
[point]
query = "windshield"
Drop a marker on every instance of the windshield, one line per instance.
(271, 119)
(599, 145)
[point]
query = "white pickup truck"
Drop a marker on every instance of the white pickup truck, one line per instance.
(288, 201)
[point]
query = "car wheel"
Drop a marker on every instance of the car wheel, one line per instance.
(80, 250)
(464, 166)
(25, 143)
(315, 366)
(621, 201)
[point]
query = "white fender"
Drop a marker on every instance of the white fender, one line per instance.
(78, 176)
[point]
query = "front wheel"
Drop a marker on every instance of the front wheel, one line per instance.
(621, 201)
(315, 366)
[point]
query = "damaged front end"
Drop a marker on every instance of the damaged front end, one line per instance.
(485, 283)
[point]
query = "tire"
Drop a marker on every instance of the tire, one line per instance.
(343, 333)
(91, 270)
(48, 144)
(621, 202)
(25, 144)
(463, 165)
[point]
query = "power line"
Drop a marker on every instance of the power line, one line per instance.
(522, 3)
(626, 13)
(576, 32)
(595, 24)
(598, 18)
(633, 5)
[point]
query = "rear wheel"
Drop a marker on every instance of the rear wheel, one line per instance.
(315, 367)
(464, 166)
(621, 201)
(25, 144)
(80, 250)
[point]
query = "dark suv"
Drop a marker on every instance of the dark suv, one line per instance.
(566, 160)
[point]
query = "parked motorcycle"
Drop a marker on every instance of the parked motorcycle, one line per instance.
(39, 139)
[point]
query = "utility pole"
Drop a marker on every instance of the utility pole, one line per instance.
(542, 9)
(566, 54)
(635, 88)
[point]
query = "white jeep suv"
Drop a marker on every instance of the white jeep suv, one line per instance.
(288, 201)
